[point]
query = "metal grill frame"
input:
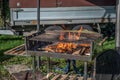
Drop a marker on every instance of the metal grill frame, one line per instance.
(55, 55)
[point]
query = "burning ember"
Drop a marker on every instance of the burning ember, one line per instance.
(69, 47)
(63, 47)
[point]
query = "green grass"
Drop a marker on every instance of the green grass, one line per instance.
(108, 44)
(8, 42)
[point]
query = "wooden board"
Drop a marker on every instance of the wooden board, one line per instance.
(27, 75)
(19, 50)
(22, 72)
(16, 68)
(73, 77)
(64, 77)
(47, 76)
(54, 76)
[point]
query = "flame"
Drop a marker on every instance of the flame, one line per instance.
(61, 36)
(85, 45)
(66, 46)
(62, 47)
(72, 36)
(76, 37)
(79, 33)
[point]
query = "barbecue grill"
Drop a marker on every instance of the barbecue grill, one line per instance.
(48, 43)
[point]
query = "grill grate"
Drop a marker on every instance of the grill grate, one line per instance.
(53, 36)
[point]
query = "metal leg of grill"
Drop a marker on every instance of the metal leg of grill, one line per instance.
(94, 70)
(48, 64)
(38, 61)
(34, 68)
(85, 70)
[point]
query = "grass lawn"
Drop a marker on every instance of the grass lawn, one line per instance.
(8, 42)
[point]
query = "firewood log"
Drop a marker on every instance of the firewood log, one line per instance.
(46, 49)
(103, 40)
(83, 50)
(76, 52)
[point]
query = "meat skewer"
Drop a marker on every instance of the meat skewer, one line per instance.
(77, 52)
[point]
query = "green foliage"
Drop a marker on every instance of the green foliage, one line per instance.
(108, 44)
